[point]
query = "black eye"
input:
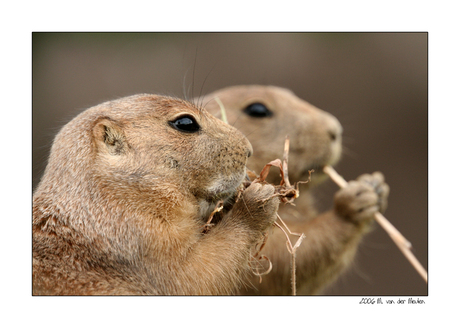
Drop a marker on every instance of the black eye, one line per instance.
(258, 110)
(185, 124)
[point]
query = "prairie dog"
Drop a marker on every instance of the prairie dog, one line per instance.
(128, 187)
(266, 114)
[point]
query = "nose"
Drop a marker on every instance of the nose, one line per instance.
(250, 150)
(332, 135)
(334, 129)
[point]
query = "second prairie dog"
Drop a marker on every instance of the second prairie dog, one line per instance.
(125, 196)
(266, 114)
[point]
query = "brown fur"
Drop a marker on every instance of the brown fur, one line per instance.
(122, 203)
(315, 140)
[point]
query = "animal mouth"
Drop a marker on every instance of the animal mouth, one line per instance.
(318, 164)
(223, 188)
(317, 170)
(215, 197)
(224, 191)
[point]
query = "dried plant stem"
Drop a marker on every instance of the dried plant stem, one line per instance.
(302, 236)
(287, 193)
(403, 244)
(292, 250)
(285, 162)
(293, 282)
(218, 208)
(222, 110)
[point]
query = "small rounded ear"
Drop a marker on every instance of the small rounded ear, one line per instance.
(108, 135)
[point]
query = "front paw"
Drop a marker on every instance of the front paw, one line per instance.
(257, 206)
(362, 198)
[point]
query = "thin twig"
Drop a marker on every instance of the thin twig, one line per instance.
(287, 193)
(287, 228)
(219, 206)
(222, 110)
(403, 244)
(288, 241)
(292, 250)
(301, 236)
(293, 282)
(285, 162)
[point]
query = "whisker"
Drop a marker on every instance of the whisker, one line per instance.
(256, 129)
(350, 153)
(184, 91)
(185, 75)
(193, 72)
(202, 85)
(236, 120)
(348, 139)
(207, 102)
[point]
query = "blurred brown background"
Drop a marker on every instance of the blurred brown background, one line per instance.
(376, 84)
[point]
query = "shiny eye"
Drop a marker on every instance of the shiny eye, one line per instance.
(258, 110)
(185, 124)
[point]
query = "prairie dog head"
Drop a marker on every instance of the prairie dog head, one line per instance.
(266, 114)
(143, 148)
